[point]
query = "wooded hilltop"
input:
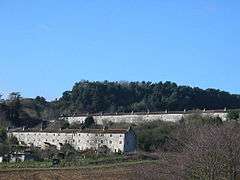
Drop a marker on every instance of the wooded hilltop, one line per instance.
(111, 97)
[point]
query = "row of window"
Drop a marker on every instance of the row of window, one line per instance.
(58, 134)
(101, 141)
(66, 141)
(110, 135)
(83, 148)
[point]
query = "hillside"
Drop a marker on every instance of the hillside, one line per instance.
(107, 96)
(111, 97)
(25, 112)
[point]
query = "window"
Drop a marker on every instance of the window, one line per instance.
(110, 142)
(120, 142)
(110, 135)
(101, 141)
(120, 135)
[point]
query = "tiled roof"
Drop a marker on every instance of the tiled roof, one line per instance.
(96, 131)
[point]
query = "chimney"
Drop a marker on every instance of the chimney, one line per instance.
(225, 109)
(23, 128)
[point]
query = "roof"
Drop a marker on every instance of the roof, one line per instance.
(147, 113)
(95, 131)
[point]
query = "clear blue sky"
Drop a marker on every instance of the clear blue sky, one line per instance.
(48, 45)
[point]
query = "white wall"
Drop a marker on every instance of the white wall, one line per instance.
(80, 141)
(136, 119)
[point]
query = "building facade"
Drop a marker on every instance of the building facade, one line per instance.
(138, 118)
(116, 140)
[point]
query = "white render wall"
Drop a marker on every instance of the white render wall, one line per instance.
(137, 119)
(80, 141)
(38, 139)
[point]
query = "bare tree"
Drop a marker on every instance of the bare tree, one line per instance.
(231, 138)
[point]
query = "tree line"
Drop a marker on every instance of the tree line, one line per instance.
(112, 97)
(94, 97)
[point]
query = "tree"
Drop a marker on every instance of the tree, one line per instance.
(65, 125)
(233, 115)
(14, 108)
(40, 100)
(154, 135)
(208, 152)
(14, 96)
(12, 140)
(68, 151)
(95, 97)
(231, 138)
(3, 135)
(1, 100)
(89, 121)
(199, 120)
(4, 149)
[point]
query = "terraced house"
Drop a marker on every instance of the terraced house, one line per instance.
(116, 140)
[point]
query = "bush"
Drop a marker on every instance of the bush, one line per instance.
(233, 115)
(3, 135)
(199, 120)
(89, 121)
(154, 135)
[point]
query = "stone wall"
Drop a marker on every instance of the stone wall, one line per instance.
(116, 142)
(140, 118)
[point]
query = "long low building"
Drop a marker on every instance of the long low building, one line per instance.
(117, 140)
(138, 118)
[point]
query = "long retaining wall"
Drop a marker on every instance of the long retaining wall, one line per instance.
(137, 118)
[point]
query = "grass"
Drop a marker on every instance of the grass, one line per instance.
(79, 163)
(26, 164)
